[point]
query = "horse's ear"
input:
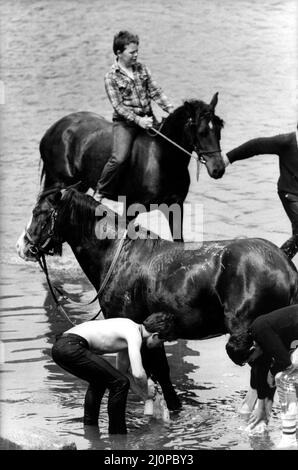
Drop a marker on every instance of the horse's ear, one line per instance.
(214, 101)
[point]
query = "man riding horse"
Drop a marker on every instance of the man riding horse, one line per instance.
(130, 88)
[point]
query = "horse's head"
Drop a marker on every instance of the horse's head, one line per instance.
(203, 131)
(59, 215)
(39, 236)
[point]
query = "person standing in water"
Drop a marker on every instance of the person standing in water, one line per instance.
(79, 351)
(275, 355)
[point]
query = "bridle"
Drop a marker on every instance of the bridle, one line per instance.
(39, 252)
(200, 152)
(41, 247)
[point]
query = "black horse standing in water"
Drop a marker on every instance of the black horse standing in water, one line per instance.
(218, 288)
(76, 148)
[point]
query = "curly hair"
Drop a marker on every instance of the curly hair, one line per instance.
(122, 39)
(163, 324)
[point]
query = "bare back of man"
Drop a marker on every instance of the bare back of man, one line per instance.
(108, 336)
(116, 335)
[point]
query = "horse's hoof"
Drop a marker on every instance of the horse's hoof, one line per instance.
(174, 403)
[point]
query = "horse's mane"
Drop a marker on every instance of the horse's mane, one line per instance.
(53, 190)
(81, 211)
(188, 109)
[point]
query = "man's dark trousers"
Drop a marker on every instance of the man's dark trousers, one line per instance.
(72, 353)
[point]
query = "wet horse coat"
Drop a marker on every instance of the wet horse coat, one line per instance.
(217, 288)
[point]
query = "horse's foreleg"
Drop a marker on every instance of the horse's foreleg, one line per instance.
(156, 366)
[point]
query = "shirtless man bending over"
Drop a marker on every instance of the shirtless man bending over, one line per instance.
(79, 351)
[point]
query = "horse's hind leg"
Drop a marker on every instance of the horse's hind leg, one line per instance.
(156, 365)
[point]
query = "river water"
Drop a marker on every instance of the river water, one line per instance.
(53, 58)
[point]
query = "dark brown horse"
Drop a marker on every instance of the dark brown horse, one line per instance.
(77, 147)
(218, 288)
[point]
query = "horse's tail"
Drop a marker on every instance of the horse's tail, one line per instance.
(290, 247)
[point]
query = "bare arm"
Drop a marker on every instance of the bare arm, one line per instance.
(122, 361)
(134, 343)
(123, 364)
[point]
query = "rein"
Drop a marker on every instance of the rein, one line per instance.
(106, 279)
(199, 158)
(200, 153)
(154, 132)
(43, 264)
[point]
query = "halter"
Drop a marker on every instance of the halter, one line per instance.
(35, 249)
(190, 123)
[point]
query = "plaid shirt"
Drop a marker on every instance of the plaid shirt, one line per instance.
(131, 99)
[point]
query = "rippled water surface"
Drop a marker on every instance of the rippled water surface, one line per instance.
(53, 58)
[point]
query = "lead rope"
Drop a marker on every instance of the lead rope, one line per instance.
(105, 281)
(42, 262)
(153, 132)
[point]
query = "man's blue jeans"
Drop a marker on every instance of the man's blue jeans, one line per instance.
(72, 353)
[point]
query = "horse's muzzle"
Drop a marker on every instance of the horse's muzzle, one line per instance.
(217, 173)
(25, 249)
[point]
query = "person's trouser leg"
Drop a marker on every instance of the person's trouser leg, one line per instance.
(290, 204)
(71, 353)
(123, 137)
(92, 403)
(117, 404)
